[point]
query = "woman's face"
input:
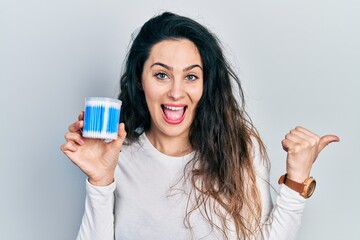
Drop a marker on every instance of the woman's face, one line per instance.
(172, 81)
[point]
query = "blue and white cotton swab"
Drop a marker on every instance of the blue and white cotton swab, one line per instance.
(101, 119)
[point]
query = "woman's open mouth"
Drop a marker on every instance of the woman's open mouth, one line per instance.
(174, 114)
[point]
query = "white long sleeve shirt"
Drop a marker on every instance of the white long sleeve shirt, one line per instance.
(148, 201)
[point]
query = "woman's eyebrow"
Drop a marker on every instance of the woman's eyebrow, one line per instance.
(162, 65)
(191, 67)
(171, 68)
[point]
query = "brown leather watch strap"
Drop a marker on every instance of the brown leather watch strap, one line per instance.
(298, 187)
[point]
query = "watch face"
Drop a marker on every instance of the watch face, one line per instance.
(310, 189)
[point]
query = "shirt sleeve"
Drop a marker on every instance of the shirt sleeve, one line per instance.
(282, 220)
(98, 219)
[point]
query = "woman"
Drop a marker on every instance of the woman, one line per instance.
(188, 163)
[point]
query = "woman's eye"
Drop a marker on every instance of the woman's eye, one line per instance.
(191, 77)
(161, 75)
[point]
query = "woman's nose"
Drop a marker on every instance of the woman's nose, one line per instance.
(176, 90)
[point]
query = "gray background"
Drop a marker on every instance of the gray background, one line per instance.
(298, 61)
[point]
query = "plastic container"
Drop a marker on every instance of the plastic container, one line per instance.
(101, 119)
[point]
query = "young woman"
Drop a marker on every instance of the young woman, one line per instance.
(188, 163)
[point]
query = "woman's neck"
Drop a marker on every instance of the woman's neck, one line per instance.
(172, 146)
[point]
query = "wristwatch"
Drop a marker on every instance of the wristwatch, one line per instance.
(306, 189)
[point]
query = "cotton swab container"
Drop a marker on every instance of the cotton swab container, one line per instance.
(101, 119)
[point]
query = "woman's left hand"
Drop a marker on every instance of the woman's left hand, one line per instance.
(303, 147)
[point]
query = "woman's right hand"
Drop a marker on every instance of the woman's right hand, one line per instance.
(95, 157)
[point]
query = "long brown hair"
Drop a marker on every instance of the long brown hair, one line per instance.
(222, 135)
(224, 138)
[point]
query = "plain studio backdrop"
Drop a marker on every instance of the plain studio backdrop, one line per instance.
(298, 62)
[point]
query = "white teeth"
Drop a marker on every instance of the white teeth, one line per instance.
(174, 108)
